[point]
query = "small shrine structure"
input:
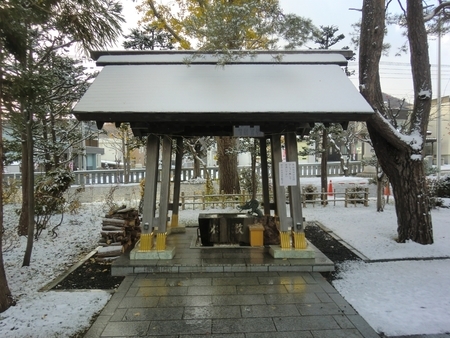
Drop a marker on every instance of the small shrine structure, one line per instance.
(167, 95)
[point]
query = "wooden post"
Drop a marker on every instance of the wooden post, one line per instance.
(151, 181)
(165, 184)
(177, 182)
(183, 201)
(346, 192)
(279, 190)
(366, 197)
(203, 200)
(294, 190)
(264, 175)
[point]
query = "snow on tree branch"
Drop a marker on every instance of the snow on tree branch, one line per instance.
(436, 11)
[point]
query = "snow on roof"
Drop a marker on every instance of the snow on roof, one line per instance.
(289, 91)
(235, 88)
(189, 58)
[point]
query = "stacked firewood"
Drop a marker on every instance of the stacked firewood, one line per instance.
(120, 232)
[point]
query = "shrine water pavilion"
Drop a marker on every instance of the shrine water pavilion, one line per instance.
(168, 95)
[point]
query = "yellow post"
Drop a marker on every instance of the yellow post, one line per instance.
(146, 242)
(299, 240)
(161, 241)
(174, 221)
(285, 239)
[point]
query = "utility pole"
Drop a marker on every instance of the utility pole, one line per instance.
(439, 142)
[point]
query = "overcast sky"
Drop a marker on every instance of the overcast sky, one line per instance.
(395, 71)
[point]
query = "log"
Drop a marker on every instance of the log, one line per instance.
(122, 211)
(113, 221)
(109, 251)
(112, 233)
(112, 228)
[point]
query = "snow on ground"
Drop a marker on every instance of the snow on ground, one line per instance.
(399, 298)
(395, 297)
(54, 313)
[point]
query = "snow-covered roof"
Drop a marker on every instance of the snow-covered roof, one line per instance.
(159, 96)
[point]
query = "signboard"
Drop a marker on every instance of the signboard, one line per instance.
(288, 174)
(247, 131)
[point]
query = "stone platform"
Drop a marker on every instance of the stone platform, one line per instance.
(218, 259)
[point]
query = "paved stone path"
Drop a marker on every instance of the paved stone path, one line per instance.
(232, 305)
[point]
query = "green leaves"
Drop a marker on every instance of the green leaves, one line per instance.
(230, 25)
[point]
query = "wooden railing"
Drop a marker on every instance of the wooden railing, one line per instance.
(222, 201)
(349, 196)
(116, 176)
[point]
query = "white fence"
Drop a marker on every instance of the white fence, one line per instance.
(114, 176)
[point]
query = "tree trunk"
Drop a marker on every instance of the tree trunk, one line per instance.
(253, 164)
(227, 159)
(22, 228)
(324, 165)
(400, 161)
(197, 155)
(6, 299)
(55, 155)
(380, 192)
(30, 189)
(411, 202)
(47, 155)
(127, 166)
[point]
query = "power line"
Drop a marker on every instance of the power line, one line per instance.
(392, 63)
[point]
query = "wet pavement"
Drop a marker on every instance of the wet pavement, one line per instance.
(239, 304)
(232, 293)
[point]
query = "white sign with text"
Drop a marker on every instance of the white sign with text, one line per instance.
(288, 174)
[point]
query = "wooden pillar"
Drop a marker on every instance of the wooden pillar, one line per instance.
(279, 190)
(177, 182)
(264, 175)
(295, 197)
(151, 182)
(165, 183)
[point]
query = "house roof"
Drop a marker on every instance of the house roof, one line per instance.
(157, 92)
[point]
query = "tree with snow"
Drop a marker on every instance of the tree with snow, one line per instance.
(400, 154)
(30, 32)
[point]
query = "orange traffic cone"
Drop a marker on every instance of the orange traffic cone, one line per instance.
(387, 191)
(330, 189)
